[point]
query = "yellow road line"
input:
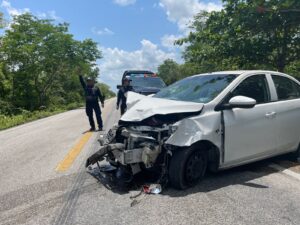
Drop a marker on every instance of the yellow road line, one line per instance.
(73, 153)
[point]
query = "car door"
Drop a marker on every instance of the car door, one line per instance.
(251, 133)
(288, 112)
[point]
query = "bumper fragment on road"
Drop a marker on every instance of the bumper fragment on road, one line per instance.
(66, 163)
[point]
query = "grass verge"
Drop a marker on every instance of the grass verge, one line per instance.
(26, 116)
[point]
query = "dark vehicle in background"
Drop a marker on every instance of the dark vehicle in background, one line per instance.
(143, 81)
(137, 73)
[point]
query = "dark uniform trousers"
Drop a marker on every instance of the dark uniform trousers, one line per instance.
(122, 98)
(123, 109)
(90, 107)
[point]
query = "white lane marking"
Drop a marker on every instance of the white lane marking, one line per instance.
(285, 171)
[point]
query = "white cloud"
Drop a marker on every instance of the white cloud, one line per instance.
(49, 15)
(168, 41)
(115, 61)
(183, 11)
(124, 2)
(104, 31)
(11, 10)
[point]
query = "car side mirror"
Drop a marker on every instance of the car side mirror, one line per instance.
(242, 102)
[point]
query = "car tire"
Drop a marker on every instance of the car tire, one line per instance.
(187, 167)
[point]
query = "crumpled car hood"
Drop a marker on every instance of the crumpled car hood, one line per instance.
(133, 98)
(140, 107)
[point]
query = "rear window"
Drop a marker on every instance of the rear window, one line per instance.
(155, 82)
(286, 88)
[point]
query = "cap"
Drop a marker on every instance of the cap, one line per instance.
(127, 78)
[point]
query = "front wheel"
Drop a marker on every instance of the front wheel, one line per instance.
(187, 167)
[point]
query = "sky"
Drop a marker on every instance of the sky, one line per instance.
(131, 34)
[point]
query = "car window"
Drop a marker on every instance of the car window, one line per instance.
(286, 88)
(200, 89)
(255, 87)
(155, 82)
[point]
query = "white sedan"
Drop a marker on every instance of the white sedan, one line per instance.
(208, 121)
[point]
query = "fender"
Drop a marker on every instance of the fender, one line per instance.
(205, 127)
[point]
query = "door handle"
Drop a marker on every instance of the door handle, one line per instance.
(271, 114)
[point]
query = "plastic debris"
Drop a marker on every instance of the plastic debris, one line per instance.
(145, 191)
(107, 168)
(152, 189)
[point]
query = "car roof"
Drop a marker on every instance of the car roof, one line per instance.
(239, 72)
(138, 71)
(145, 78)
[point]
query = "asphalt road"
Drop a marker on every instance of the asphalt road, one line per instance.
(34, 191)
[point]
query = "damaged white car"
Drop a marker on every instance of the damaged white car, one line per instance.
(209, 121)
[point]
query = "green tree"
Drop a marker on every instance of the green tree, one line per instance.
(169, 71)
(1, 20)
(106, 91)
(246, 34)
(294, 69)
(42, 61)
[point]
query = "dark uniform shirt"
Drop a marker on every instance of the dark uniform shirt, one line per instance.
(91, 93)
(122, 95)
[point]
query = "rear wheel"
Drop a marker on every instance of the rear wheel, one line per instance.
(187, 167)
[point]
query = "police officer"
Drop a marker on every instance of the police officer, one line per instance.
(92, 93)
(122, 95)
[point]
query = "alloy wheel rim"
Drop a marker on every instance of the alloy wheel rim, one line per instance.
(194, 168)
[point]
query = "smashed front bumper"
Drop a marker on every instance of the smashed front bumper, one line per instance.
(131, 146)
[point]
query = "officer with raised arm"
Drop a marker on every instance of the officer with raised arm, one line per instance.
(92, 94)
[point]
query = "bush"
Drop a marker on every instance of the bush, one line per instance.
(6, 108)
(73, 106)
(8, 120)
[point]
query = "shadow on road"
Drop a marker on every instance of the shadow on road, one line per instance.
(242, 175)
(109, 181)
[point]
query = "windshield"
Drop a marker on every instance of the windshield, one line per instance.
(200, 89)
(147, 82)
